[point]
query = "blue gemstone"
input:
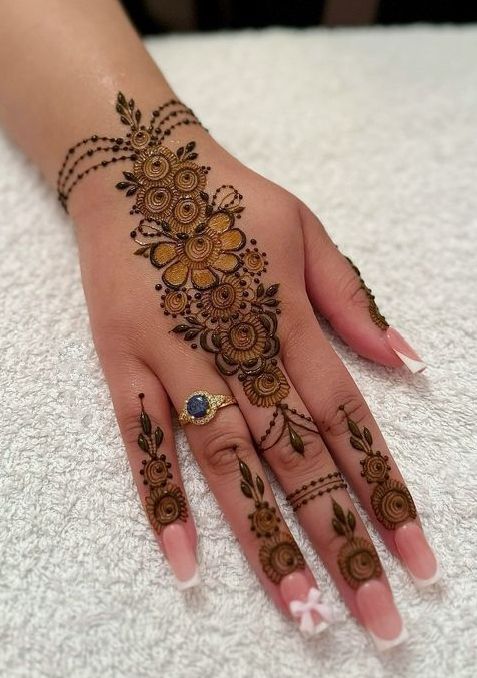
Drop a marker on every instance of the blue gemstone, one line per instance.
(197, 406)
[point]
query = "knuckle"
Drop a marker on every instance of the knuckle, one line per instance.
(286, 462)
(334, 420)
(220, 448)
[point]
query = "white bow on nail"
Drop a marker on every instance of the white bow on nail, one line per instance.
(302, 609)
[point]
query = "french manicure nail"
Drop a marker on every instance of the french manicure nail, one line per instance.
(403, 351)
(417, 555)
(380, 615)
(305, 604)
(181, 556)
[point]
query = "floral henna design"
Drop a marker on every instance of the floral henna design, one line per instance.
(357, 558)
(376, 315)
(211, 274)
(391, 501)
(279, 553)
(165, 503)
(316, 488)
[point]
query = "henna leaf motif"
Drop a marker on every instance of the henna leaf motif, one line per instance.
(367, 436)
(145, 423)
(245, 471)
(246, 490)
(339, 513)
(142, 442)
(260, 486)
(357, 444)
(351, 521)
(159, 436)
(338, 527)
(296, 440)
(353, 427)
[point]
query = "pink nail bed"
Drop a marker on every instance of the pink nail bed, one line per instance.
(305, 604)
(417, 555)
(380, 615)
(404, 351)
(181, 556)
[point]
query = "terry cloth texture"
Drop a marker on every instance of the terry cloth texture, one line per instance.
(375, 130)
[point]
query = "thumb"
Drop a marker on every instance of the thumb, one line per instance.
(336, 289)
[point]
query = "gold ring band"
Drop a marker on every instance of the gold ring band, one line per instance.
(200, 407)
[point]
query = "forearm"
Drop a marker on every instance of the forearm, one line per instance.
(63, 65)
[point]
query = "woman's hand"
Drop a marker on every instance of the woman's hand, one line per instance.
(202, 276)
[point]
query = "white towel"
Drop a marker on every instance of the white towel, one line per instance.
(376, 130)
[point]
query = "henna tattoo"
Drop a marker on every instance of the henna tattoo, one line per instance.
(291, 420)
(211, 274)
(376, 315)
(279, 553)
(316, 488)
(391, 500)
(357, 558)
(166, 502)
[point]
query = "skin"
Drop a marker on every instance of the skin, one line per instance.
(137, 351)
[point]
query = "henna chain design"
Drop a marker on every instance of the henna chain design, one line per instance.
(357, 558)
(165, 503)
(279, 553)
(316, 488)
(211, 275)
(391, 500)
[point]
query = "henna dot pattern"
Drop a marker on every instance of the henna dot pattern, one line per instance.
(279, 554)
(391, 500)
(165, 503)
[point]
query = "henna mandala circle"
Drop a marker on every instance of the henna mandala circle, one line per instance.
(280, 556)
(156, 472)
(189, 178)
(155, 164)
(264, 521)
(175, 302)
(375, 468)
(392, 503)
(254, 262)
(358, 562)
(165, 506)
(267, 388)
(154, 201)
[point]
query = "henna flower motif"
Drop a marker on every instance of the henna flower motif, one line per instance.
(155, 164)
(375, 468)
(201, 255)
(224, 302)
(358, 562)
(267, 388)
(156, 471)
(165, 506)
(244, 340)
(264, 521)
(280, 556)
(392, 504)
(174, 301)
(254, 262)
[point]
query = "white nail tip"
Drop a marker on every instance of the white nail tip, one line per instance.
(415, 366)
(188, 583)
(383, 644)
(425, 583)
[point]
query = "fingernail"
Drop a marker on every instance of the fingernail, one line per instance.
(181, 556)
(405, 352)
(380, 615)
(305, 604)
(417, 555)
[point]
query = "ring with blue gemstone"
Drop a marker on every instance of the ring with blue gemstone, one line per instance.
(200, 407)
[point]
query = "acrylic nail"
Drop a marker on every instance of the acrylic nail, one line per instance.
(305, 604)
(380, 615)
(417, 555)
(404, 351)
(181, 556)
